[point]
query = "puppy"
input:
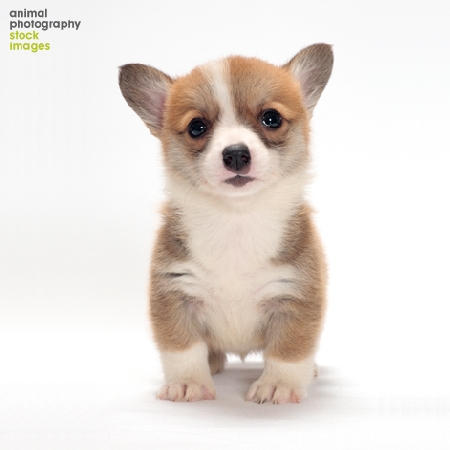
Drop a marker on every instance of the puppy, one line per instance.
(237, 265)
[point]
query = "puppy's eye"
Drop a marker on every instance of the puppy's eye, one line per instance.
(196, 128)
(271, 119)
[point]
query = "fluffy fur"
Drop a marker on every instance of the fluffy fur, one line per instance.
(237, 266)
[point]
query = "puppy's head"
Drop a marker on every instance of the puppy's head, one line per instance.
(235, 126)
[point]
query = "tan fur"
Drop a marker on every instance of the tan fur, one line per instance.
(277, 89)
(167, 304)
(294, 323)
(190, 97)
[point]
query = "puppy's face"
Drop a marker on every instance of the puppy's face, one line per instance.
(235, 126)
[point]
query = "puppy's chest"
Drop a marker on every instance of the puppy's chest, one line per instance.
(238, 243)
(231, 271)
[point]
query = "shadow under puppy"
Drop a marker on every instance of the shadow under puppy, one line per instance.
(237, 265)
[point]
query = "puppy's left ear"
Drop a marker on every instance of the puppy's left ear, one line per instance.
(312, 68)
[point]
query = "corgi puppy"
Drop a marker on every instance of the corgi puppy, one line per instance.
(237, 266)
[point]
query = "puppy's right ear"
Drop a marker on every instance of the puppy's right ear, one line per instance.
(145, 89)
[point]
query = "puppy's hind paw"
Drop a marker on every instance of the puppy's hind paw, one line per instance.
(186, 392)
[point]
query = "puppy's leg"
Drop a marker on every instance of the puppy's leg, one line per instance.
(282, 382)
(216, 361)
(184, 354)
(177, 330)
(176, 317)
(187, 375)
(316, 370)
(292, 331)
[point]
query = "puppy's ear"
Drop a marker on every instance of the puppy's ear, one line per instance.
(145, 89)
(312, 68)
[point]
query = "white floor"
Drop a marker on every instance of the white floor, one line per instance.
(97, 391)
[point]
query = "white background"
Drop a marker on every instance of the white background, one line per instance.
(80, 184)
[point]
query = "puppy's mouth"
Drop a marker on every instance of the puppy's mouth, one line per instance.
(238, 180)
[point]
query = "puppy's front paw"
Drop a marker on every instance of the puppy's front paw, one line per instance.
(186, 392)
(262, 393)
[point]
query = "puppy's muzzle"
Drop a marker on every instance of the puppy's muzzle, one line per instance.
(236, 158)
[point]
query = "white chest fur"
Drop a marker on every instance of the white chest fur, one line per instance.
(231, 269)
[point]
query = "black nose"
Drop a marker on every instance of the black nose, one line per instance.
(236, 157)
